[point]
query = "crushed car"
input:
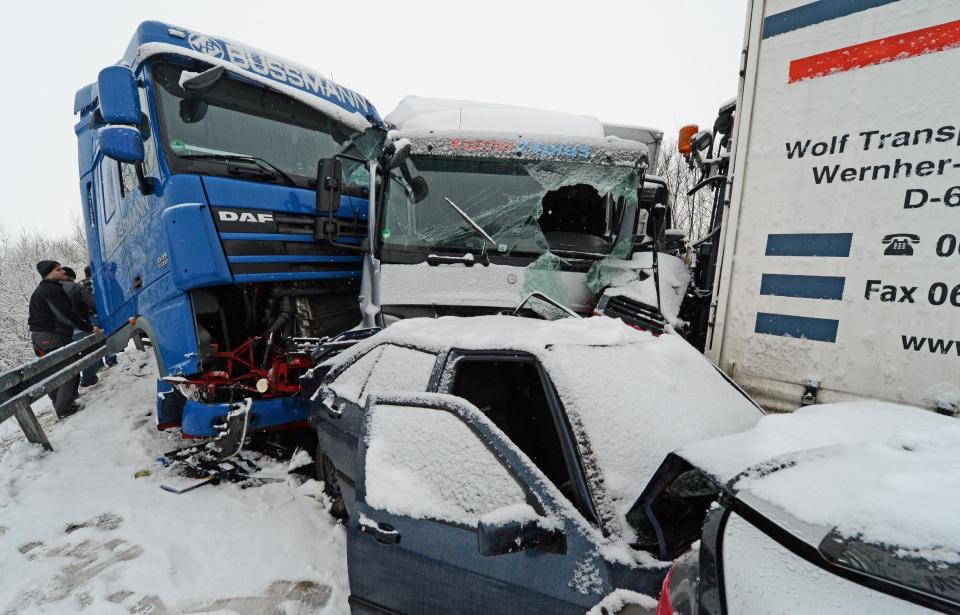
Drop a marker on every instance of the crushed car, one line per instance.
(490, 463)
(836, 508)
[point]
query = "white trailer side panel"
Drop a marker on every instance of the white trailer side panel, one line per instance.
(841, 255)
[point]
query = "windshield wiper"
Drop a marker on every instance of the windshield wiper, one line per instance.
(270, 168)
(465, 259)
(472, 223)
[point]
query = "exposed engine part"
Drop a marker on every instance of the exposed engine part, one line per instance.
(255, 339)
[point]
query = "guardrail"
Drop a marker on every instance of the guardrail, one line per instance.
(20, 387)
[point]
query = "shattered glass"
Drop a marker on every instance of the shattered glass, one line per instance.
(543, 275)
(505, 197)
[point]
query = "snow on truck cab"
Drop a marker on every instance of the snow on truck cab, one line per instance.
(198, 173)
(494, 202)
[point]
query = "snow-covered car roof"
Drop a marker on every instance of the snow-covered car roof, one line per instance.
(631, 397)
(880, 472)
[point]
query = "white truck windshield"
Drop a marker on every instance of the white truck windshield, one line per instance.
(527, 207)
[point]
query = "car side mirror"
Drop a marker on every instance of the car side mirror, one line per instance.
(117, 91)
(122, 143)
(329, 184)
(497, 535)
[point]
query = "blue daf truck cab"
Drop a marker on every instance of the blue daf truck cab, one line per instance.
(199, 160)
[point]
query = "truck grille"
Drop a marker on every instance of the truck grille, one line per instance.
(262, 243)
(634, 313)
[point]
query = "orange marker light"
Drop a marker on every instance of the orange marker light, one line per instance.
(683, 141)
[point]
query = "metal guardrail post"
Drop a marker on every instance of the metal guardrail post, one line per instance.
(22, 386)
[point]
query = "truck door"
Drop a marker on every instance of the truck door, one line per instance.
(438, 495)
(107, 180)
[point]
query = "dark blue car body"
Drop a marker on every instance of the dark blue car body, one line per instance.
(415, 562)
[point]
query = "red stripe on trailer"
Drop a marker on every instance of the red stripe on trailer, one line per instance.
(889, 49)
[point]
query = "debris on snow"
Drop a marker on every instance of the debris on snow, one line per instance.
(80, 533)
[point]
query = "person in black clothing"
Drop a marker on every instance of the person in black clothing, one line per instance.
(52, 321)
(88, 377)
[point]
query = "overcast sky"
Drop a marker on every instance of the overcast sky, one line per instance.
(660, 63)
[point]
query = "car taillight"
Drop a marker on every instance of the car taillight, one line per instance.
(665, 606)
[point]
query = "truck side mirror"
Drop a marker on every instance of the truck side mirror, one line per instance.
(122, 143)
(395, 153)
(419, 188)
(119, 101)
(329, 188)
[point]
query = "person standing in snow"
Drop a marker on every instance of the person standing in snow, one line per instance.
(81, 305)
(52, 321)
(86, 295)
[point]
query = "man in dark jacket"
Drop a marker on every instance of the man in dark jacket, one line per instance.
(52, 321)
(74, 290)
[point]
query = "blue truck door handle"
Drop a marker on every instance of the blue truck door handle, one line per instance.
(384, 533)
(137, 283)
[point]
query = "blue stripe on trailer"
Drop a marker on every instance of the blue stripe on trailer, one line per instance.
(805, 286)
(809, 244)
(814, 13)
(295, 258)
(805, 327)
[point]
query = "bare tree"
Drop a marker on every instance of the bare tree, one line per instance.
(690, 213)
(19, 255)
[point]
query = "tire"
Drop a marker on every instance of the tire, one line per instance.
(327, 474)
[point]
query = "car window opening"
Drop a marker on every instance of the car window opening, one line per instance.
(511, 394)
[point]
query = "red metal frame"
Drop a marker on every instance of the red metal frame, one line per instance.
(242, 371)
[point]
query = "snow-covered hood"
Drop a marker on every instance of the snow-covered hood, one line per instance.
(880, 472)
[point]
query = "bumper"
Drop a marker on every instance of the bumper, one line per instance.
(199, 418)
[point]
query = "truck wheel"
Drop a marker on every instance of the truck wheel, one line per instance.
(327, 474)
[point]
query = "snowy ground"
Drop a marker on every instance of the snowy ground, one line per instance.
(80, 534)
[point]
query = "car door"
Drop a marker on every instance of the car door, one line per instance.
(387, 368)
(514, 391)
(440, 497)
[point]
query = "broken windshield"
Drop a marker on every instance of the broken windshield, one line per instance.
(528, 207)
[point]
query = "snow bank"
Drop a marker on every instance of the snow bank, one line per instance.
(78, 533)
(417, 113)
